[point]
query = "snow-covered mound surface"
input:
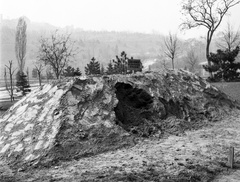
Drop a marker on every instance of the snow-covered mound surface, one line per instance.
(83, 116)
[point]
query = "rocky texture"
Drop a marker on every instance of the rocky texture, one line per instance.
(85, 116)
(193, 157)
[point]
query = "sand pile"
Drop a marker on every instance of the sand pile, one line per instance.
(84, 116)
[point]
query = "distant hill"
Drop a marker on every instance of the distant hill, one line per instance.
(102, 45)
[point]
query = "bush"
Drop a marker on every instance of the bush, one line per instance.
(71, 72)
(22, 83)
(224, 65)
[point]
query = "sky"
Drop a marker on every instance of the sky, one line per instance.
(145, 16)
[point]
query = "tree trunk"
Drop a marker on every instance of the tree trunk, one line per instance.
(39, 78)
(57, 74)
(173, 64)
(11, 87)
(208, 55)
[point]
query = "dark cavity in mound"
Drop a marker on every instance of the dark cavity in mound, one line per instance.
(138, 113)
(134, 106)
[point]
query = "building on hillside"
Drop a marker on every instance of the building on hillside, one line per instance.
(134, 65)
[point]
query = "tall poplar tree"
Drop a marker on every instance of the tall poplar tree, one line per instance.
(20, 43)
(20, 51)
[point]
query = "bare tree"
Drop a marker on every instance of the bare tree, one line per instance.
(206, 13)
(57, 51)
(171, 47)
(20, 43)
(10, 72)
(192, 59)
(229, 39)
(39, 68)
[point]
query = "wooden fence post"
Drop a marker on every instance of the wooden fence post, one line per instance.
(231, 157)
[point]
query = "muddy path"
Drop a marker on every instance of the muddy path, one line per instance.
(199, 155)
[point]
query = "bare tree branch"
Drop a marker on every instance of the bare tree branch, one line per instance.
(207, 13)
(171, 45)
(57, 51)
(39, 68)
(229, 39)
(10, 72)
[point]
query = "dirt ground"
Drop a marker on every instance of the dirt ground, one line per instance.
(199, 155)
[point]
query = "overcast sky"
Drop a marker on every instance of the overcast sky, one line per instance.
(145, 16)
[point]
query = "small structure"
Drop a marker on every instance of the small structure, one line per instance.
(202, 71)
(134, 65)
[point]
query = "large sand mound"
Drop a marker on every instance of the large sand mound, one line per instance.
(73, 118)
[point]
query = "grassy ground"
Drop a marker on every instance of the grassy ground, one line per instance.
(5, 102)
(230, 88)
(5, 105)
(31, 82)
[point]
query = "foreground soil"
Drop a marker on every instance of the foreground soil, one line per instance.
(199, 155)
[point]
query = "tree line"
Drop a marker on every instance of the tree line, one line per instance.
(55, 53)
(58, 50)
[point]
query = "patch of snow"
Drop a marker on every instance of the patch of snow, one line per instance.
(58, 94)
(33, 99)
(5, 118)
(8, 127)
(14, 142)
(19, 148)
(43, 114)
(47, 144)
(21, 110)
(18, 103)
(16, 133)
(30, 157)
(46, 88)
(30, 113)
(28, 127)
(39, 145)
(53, 90)
(28, 139)
(108, 124)
(4, 149)
(18, 121)
(55, 128)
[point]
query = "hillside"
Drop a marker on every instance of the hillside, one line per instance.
(103, 45)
